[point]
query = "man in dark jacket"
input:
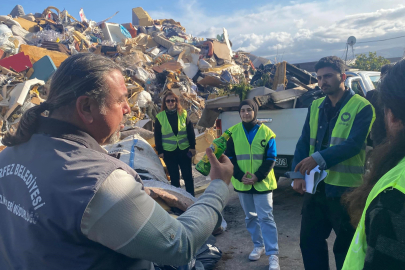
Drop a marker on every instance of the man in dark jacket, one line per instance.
(66, 204)
(333, 138)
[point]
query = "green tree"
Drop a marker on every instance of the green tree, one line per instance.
(372, 62)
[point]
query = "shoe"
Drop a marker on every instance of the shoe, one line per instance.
(256, 253)
(273, 262)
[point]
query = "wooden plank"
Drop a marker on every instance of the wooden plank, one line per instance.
(280, 76)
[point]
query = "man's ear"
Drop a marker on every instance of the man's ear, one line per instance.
(84, 109)
(343, 77)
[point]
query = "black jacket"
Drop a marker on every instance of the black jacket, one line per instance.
(173, 121)
(385, 231)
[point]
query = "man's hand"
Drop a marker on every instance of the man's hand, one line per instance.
(249, 179)
(299, 185)
(221, 168)
(193, 152)
(161, 155)
(306, 165)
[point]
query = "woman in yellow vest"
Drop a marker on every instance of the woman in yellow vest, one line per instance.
(252, 150)
(175, 141)
(377, 208)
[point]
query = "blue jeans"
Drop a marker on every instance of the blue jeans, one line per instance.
(259, 220)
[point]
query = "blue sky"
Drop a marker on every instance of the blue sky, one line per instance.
(94, 10)
(296, 31)
(99, 10)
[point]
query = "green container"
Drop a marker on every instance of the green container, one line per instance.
(218, 146)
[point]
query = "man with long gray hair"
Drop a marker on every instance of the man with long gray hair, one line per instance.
(66, 204)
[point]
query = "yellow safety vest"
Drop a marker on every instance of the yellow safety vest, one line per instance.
(348, 173)
(250, 157)
(356, 255)
(169, 140)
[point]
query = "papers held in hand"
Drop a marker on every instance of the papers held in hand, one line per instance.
(313, 179)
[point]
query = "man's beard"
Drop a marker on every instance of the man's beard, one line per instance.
(114, 138)
(331, 90)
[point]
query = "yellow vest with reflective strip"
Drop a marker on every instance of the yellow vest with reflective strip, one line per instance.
(348, 173)
(356, 255)
(250, 157)
(169, 140)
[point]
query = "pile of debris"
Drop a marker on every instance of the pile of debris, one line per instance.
(155, 55)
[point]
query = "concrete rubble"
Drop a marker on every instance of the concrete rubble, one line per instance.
(156, 56)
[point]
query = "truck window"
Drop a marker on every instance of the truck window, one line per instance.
(375, 79)
(356, 87)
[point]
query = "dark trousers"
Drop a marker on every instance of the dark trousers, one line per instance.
(320, 215)
(173, 160)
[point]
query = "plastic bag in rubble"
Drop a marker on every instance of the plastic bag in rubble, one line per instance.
(4, 29)
(193, 88)
(209, 254)
(190, 69)
(206, 258)
(6, 39)
(45, 35)
(143, 99)
(141, 74)
(139, 155)
(204, 64)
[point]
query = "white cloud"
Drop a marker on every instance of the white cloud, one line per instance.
(299, 23)
(303, 34)
(305, 31)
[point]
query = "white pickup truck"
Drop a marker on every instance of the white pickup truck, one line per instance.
(287, 123)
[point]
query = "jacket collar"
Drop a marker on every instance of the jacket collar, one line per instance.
(64, 130)
(347, 98)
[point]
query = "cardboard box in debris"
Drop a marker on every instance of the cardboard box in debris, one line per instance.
(155, 55)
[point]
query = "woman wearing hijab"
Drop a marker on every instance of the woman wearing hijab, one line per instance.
(254, 180)
(175, 141)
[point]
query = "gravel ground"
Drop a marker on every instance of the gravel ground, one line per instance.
(235, 242)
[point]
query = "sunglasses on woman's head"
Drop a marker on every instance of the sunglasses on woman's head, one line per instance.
(170, 101)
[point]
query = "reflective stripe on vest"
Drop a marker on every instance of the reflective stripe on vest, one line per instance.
(356, 254)
(250, 157)
(348, 173)
(169, 140)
